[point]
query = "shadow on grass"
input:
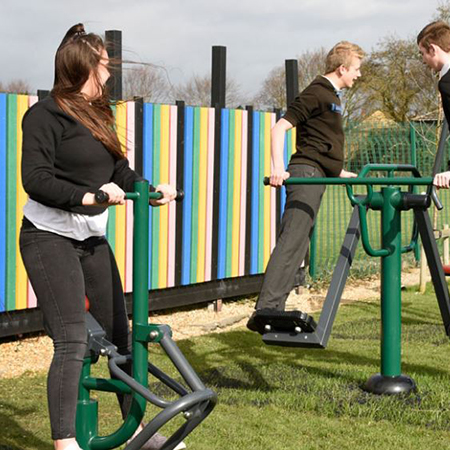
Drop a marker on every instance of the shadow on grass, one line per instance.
(13, 436)
(250, 356)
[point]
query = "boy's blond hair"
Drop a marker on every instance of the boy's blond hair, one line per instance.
(342, 54)
(437, 33)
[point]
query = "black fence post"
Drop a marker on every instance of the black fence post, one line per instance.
(139, 135)
(218, 76)
(42, 93)
(218, 101)
(291, 70)
(113, 39)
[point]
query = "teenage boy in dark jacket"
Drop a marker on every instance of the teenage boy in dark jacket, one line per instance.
(317, 115)
(434, 45)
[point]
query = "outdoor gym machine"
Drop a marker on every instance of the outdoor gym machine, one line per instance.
(195, 401)
(295, 328)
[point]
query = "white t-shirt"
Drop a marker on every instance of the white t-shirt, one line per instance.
(65, 223)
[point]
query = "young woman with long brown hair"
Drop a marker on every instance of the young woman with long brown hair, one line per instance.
(70, 151)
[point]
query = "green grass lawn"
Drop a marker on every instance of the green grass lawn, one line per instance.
(289, 399)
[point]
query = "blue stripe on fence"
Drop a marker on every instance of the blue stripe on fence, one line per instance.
(223, 195)
(255, 196)
(187, 203)
(147, 157)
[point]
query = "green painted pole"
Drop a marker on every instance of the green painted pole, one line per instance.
(87, 410)
(391, 285)
(140, 281)
(140, 316)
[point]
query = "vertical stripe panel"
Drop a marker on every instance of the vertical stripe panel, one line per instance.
(31, 296)
(21, 198)
(121, 126)
(164, 210)
(3, 99)
(172, 205)
(203, 165)
(156, 180)
(209, 194)
(147, 161)
(261, 189)
(131, 154)
(111, 226)
(11, 193)
(195, 195)
(230, 192)
(242, 224)
(273, 195)
(256, 181)
(187, 203)
(223, 195)
(267, 190)
(236, 194)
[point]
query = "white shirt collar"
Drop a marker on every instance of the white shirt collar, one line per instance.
(332, 83)
(444, 70)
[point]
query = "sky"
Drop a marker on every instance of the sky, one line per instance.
(179, 34)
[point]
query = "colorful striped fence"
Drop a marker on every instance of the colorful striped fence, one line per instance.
(226, 232)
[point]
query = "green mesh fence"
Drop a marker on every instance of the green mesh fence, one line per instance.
(387, 143)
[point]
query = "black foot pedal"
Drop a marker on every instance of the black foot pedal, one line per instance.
(272, 320)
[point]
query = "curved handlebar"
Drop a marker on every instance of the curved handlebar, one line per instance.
(102, 197)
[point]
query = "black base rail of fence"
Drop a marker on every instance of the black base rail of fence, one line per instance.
(26, 321)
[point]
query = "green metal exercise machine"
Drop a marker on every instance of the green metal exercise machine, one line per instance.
(298, 329)
(195, 401)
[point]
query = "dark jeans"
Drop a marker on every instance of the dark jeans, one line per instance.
(62, 271)
(302, 205)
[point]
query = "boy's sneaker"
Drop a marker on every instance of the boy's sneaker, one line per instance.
(157, 441)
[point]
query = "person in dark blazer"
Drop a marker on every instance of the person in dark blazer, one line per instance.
(434, 46)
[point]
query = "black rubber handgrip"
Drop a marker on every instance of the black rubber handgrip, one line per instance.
(102, 197)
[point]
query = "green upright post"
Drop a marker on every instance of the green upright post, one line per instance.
(391, 239)
(87, 410)
(87, 415)
(390, 380)
(140, 280)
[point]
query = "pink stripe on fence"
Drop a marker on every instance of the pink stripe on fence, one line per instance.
(209, 194)
(31, 296)
(241, 269)
(273, 202)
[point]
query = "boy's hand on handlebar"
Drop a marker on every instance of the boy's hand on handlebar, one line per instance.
(169, 193)
(442, 180)
(347, 174)
(116, 196)
(277, 177)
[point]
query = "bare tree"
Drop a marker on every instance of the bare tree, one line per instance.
(148, 82)
(18, 86)
(197, 91)
(273, 91)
